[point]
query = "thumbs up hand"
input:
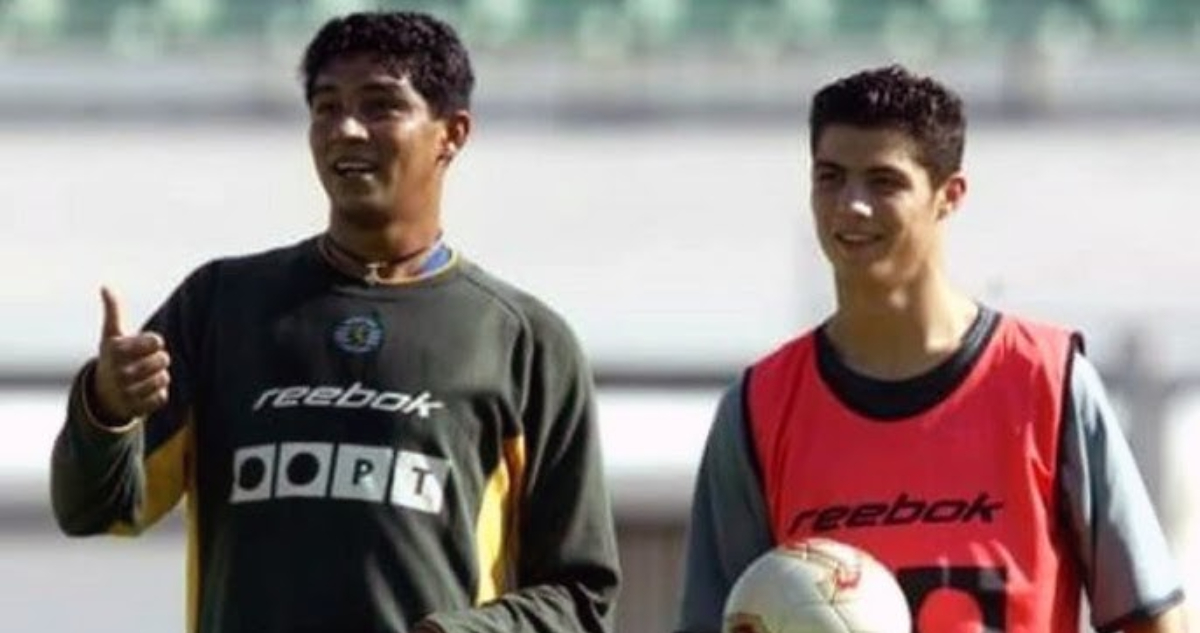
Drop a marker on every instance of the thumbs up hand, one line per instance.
(130, 378)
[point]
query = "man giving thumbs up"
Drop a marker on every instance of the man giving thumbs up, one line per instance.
(370, 431)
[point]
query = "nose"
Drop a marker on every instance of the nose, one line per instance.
(860, 208)
(348, 126)
(854, 200)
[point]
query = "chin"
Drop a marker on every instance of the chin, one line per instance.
(366, 214)
(876, 273)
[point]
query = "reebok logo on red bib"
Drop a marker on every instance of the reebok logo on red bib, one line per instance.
(902, 510)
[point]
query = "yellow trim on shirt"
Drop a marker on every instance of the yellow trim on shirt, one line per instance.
(496, 531)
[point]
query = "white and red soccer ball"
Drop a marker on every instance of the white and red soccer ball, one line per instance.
(816, 585)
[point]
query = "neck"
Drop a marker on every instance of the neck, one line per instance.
(899, 332)
(380, 256)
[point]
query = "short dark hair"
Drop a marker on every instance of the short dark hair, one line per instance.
(418, 45)
(891, 97)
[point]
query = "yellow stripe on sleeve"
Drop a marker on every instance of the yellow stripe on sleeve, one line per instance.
(166, 477)
(496, 531)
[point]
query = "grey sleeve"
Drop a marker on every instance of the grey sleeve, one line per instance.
(729, 525)
(1125, 563)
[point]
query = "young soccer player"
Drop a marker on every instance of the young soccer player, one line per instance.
(371, 433)
(973, 451)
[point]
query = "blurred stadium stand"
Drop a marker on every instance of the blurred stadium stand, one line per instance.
(570, 65)
(651, 57)
(177, 25)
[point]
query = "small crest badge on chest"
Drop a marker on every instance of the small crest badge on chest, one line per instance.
(358, 334)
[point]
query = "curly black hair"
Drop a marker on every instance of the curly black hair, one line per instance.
(892, 97)
(418, 45)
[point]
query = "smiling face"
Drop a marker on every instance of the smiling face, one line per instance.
(878, 215)
(379, 149)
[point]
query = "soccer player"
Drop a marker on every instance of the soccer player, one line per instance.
(372, 434)
(972, 451)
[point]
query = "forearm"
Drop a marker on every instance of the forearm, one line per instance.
(1172, 620)
(567, 570)
(583, 605)
(729, 527)
(95, 473)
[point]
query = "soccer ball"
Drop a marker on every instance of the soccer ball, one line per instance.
(816, 585)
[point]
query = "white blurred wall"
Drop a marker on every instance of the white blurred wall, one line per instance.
(664, 246)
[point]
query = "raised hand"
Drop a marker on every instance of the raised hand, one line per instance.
(131, 377)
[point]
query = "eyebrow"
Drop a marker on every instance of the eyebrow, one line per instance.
(371, 86)
(875, 170)
(321, 88)
(886, 171)
(382, 86)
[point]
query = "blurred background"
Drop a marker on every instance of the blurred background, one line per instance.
(641, 164)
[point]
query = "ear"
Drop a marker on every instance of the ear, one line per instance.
(951, 194)
(457, 130)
